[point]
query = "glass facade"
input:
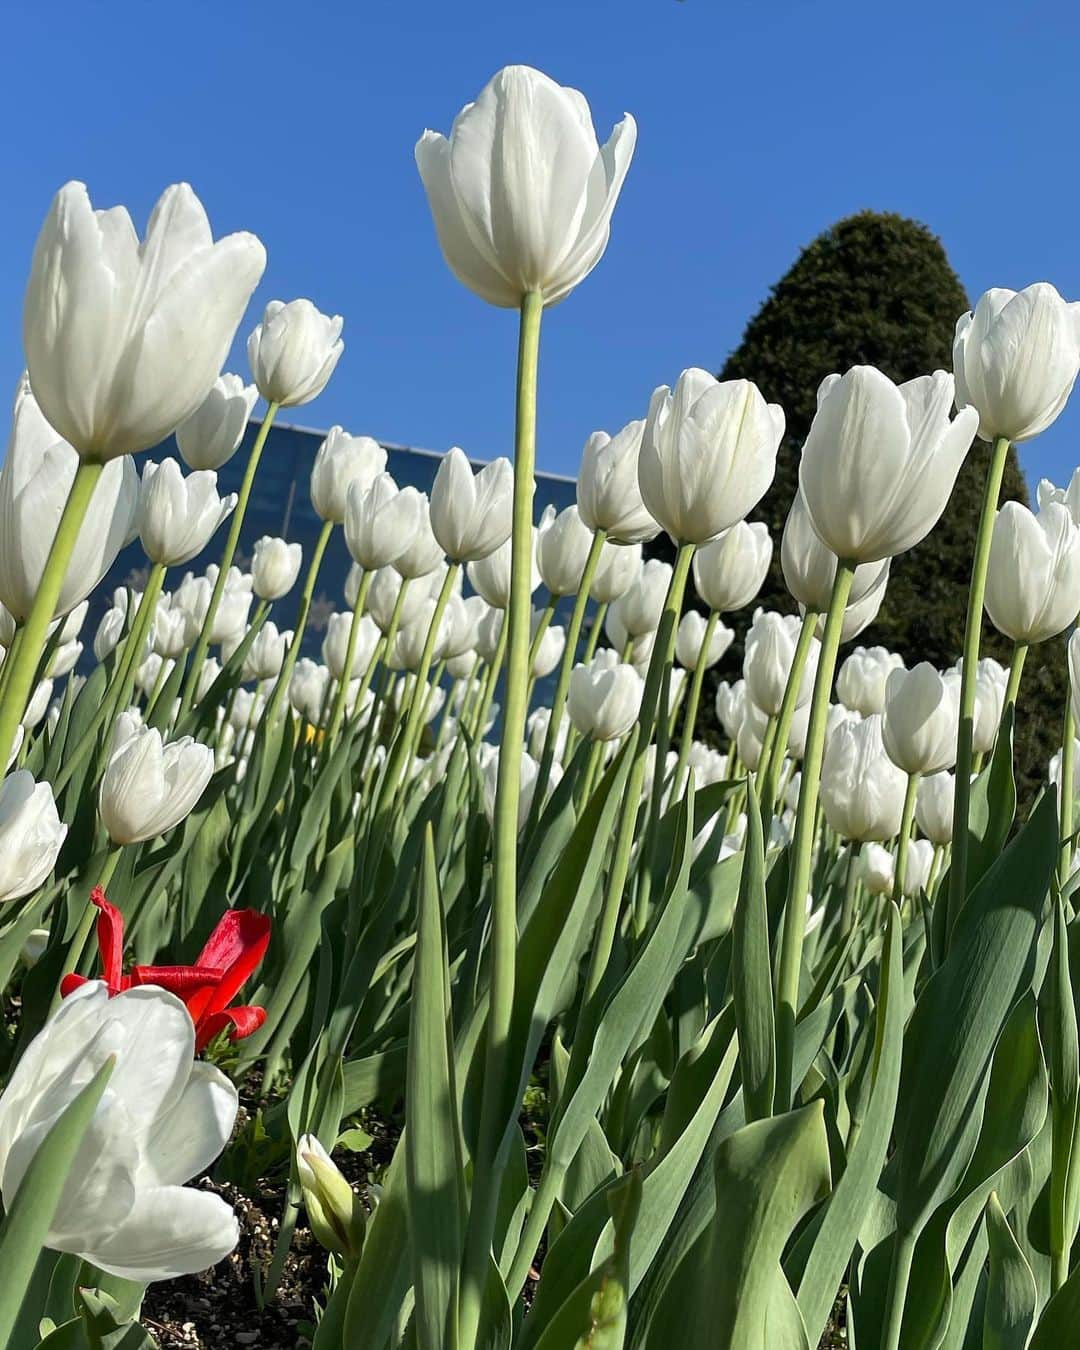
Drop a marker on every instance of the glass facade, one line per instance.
(280, 504)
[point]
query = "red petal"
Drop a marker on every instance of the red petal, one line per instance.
(110, 936)
(179, 980)
(235, 947)
(244, 1022)
(70, 983)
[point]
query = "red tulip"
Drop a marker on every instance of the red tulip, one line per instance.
(233, 950)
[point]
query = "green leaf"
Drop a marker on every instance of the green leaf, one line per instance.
(1011, 1295)
(26, 1224)
(751, 973)
(1060, 1318)
(1065, 1094)
(433, 1161)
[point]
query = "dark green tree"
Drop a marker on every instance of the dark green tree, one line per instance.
(877, 289)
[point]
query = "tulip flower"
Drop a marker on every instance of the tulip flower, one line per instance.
(267, 653)
(562, 550)
(230, 956)
(880, 461)
(336, 1215)
(35, 481)
(708, 454)
(31, 834)
(809, 566)
(385, 596)
(639, 609)
(608, 495)
(293, 352)
(1067, 496)
(862, 790)
(1016, 358)
(876, 869)
(124, 339)
(860, 682)
(768, 656)
(178, 515)
(471, 514)
(212, 434)
(919, 861)
(340, 461)
(920, 720)
(731, 569)
(172, 631)
(38, 705)
(148, 786)
(489, 774)
(617, 569)
(308, 689)
(934, 806)
(521, 193)
(422, 553)
(549, 649)
(991, 683)
(275, 565)
(1033, 580)
(731, 706)
(380, 521)
(690, 639)
(336, 644)
(604, 697)
(109, 632)
(230, 621)
(490, 576)
(163, 1120)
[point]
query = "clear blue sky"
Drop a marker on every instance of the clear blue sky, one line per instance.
(759, 124)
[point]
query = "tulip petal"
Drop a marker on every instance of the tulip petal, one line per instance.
(186, 1140)
(170, 1231)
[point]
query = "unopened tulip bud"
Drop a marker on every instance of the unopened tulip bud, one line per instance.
(731, 569)
(860, 683)
(619, 566)
(562, 549)
(178, 515)
(31, 834)
(293, 352)
(876, 869)
(638, 610)
(148, 786)
(275, 565)
(266, 655)
(604, 697)
(212, 434)
(768, 656)
(608, 495)
(1033, 577)
(471, 514)
(335, 1213)
(342, 460)
(921, 719)
(934, 806)
(690, 638)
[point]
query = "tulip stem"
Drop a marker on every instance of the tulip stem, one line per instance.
(802, 848)
(24, 662)
(965, 734)
(488, 1163)
(350, 654)
(1016, 670)
(899, 1278)
(288, 665)
(594, 632)
(491, 683)
(851, 889)
(1065, 790)
(770, 772)
(693, 699)
(202, 646)
(566, 666)
(904, 839)
(77, 949)
(8, 663)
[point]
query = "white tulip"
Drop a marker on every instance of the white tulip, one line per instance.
(178, 515)
(562, 549)
(230, 621)
(275, 565)
(690, 639)
(991, 681)
(639, 608)
(708, 454)
(148, 786)
(731, 706)
(768, 654)
(38, 705)
(293, 352)
(471, 514)
(490, 576)
(934, 806)
(336, 644)
(860, 682)
(1033, 578)
(608, 495)
(876, 869)
(862, 790)
(921, 719)
(1016, 358)
(809, 565)
(880, 461)
(212, 434)
(423, 552)
(308, 690)
(266, 655)
(731, 569)
(123, 338)
(381, 521)
(489, 776)
(64, 659)
(549, 650)
(31, 834)
(521, 193)
(340, 461)
(163, 1119)
(619, 566)
(604, 697)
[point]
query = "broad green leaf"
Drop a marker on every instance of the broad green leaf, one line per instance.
(752, 973)
(1011, 1295)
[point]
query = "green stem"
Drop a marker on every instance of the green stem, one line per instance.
(772, 770)
(594, 633)
(350, 653)
(1016, 670)
(487, 1174)
(23, 664)
(693, 699)
(851, 889)
(802, 848)
(491, 683)
(904, 841)
(77, 948)
(289, 664)
(1065, 789)
(977, 591)
(229, 552)
(9, 659)
(899, 1278)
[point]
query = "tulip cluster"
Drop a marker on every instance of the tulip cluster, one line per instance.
(785, 996)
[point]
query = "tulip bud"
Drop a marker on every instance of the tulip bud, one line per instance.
(178, 515)
(1033, 578)
(275, 565)
(920, 859)
(549, 649)
(266, 655)
(308, 690)
(336, 644)
(471, 515)
(880, 460)
(604, 697)
(809, 565)
(423, 552)
(991, 681)
(731, 706)
(860, 683)
(768, 655)
(383, 595)
(1016, 358)
(862, 790)
(708, 454)
(639, 609)
(489, 776)
(380, 521)
(34, 948)
(212, 434)
(750, 740)
(562, 549)
(38, 705)
(690, 638)
(921, 719)
(876, 869)
(731, 569)
(64, 659)
(934, 806)
(335, 1213)
(293, 352)
(124, 339)
(31, 834)
(521, 193)
(490, 576)
(230, 621)
(340, 461)
(619, 566)
(608, 495)
(148, 786)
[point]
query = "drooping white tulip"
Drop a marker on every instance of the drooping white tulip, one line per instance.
(125, 338)
(212, 434)
(520, 192)
(293, 352)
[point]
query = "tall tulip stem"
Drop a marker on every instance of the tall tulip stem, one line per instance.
(342, 692)
(1016, 670)
(903, 842)
(289, 664)
(202, 646)
(976, 592)
(771, 771)
(487, 1173)
(802, 849)
(24, 662)
(1065, 790)
(693, 699)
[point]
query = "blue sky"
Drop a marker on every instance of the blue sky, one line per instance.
(759, 125)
